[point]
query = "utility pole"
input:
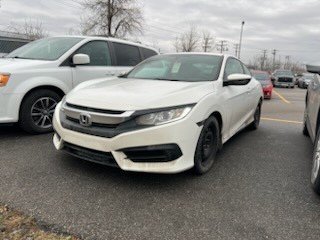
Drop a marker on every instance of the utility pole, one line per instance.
(207, 44)
(274, 52)
(222, 46)
(240, 43)
(264, 59)
(236, 48)
(287, 62)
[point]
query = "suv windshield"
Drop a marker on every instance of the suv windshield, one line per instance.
(45, 49)
(178, 67)
(283, 73)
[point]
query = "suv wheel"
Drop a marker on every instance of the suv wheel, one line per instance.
(37, 111)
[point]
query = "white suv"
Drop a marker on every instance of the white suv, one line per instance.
(35, 77)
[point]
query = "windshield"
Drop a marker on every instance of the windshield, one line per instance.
(190, 68)
(283, 73)
(308, 76)
(45, 49)
(263, 78)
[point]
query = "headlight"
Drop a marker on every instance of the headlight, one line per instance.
(4, 79)
(63, 102)
(163, 117)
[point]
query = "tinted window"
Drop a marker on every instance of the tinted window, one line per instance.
(190, 68)
(147, 53)
(233, 66)
(127, 55)
(45, 49)
(98, 52)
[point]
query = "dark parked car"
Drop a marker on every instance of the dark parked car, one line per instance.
(312, 123)
(283, 78)
(305, 79)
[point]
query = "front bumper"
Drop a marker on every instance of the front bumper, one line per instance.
(183, 133)
(9, 107)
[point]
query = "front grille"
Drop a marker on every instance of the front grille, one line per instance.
(94, 109)
(285, 79)
(105, 158)
(157, 153)
(93, 124)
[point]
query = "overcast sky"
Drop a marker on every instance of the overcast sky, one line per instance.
(290, 26)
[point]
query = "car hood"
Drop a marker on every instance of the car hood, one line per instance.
(11, 65)
(137, 94)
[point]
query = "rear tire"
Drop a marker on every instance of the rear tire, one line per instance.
(257, 117)
(37, 110)
(208, 145)
(315, 173)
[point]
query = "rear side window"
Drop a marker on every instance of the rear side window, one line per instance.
(98, 52)
(127, 55)
(147, 53)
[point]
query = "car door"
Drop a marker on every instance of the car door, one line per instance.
(237, 102)
(313, 102)
(100, 62)
(252, 92)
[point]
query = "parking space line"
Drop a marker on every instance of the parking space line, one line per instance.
(281, 120)
(281, 97)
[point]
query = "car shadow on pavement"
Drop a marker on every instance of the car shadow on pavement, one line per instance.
(11, 131)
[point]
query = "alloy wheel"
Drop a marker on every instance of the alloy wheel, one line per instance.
(42, 112)
(316, 163)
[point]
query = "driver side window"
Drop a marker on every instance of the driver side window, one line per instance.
(233, 66)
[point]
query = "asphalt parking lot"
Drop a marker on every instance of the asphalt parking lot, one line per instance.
(258, 189)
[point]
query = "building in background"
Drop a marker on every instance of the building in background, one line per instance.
(10, 41)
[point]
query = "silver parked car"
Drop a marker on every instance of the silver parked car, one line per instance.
(305, 80)
(312, 122)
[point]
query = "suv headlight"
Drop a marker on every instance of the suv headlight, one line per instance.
(4, 79)
(163, 117)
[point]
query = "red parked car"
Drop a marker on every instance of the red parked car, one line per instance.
(265, 80)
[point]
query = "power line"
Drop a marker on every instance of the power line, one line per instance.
(222, 46)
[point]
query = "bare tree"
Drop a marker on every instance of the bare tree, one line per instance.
(188, 41)
(32, 30)
(114, 18)
(207, 41)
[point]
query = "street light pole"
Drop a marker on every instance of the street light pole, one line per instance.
(240, 43)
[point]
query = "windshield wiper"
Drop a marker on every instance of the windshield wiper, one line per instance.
(166, 79)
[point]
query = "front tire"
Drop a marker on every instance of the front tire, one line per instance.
(207, 147)
(37, 110)
(315, 173)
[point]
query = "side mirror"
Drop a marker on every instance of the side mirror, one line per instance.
(237, 79)
(314, 68)
(80, 59)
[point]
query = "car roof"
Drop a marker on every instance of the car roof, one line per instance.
(109, 39)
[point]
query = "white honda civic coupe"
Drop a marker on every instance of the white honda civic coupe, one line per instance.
(170, 113)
